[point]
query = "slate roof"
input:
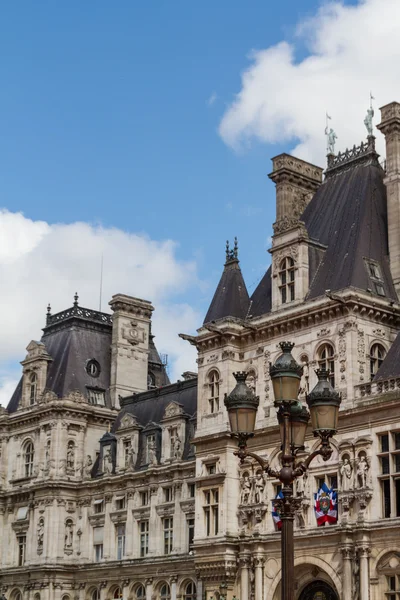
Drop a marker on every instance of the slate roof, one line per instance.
(231, 298)
(149, 407)
(347, 221)
(390, 367)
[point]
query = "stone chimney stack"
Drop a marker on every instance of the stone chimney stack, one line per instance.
(129, 346)
(296, 182)
(390, 127)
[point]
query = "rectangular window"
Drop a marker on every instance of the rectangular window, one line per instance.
(21, 549)
(127, 452)
(385, 465)
(211, 512)
(144, 538)
(144, 498)
(384, 442)
(168, 494)
(397, 488)
(168, 534)
(150, 447)
(397, 463)
(96, 396)
(396, 440)
(332, 479)
(120, 502)
(120, 542)
(98, 506)
(386, 498)
(98, 552)
(192, 490)
(190, 524)
(212, 469)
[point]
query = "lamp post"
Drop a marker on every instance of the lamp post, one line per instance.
(293, 418)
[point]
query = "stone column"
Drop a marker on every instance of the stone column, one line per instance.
(173, 588)
(244, 577)
(258, 579)
(347, 555)
(149, 589)
(199, 595)
(363, 553)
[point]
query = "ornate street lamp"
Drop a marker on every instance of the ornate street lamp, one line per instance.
(293, 417)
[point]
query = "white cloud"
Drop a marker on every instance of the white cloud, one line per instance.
(212, 99)
(41, 263)
(352, 50)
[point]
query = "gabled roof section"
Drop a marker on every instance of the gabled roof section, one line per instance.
(390, 368)
(348, 215)
(231, 298)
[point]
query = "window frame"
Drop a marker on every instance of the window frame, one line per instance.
(375, 360)
(21, 541)
(29, 458)
(121, 540)
(143, 538)
(168, 535)
(211, 511)
(327, 362)
(213, 382)
(287, 279)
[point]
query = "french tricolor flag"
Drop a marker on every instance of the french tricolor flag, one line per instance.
(325, 505)
(276, 513)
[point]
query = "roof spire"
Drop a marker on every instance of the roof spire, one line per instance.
(48, 313)
(76, 298)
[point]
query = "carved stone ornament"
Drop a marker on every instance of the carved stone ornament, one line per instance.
(75, 396)
(128, 421)
(173, 409)
(267, 358)
(291, 251)
(133, 334)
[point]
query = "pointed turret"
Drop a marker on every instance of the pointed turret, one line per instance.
(231, 298)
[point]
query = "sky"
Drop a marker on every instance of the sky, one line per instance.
(143, 132)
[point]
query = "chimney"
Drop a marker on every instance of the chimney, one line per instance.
(390, 127)
(296, 182)
(129, 346)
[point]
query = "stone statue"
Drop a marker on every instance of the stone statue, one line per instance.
(346, 471)
(177, 447)
(331, 138)
(304, 387)
(368, 121)
(246, 490)
(356, 579)
(362, 472)
(87, 467)
(69, 534)
(152, 454)
(40, 534)
(131, 459)
(259, 486)
(70, 456)
(301, 485)
(107, 462)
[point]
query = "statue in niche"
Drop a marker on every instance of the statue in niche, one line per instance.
(301, 483)
(40, 535)
(131, 459)
(362, 471)
(107, 462)
(87, 467)
(177, 447)
(69, 534)
(152, 454)
(245, 495)
(259, 487)
(71, 455)
(346, 471)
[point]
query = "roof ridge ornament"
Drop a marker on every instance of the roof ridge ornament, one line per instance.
(232, 255)
(370, 114)
(331, 137)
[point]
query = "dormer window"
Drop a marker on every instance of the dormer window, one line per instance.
(286, 280)
(377, 355)
(96, 396)
(375, 275)
(32, 388)
(93, 368)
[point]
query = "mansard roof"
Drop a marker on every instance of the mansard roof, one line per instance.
(348, 215)
(346, 221)
(231, 298)
(390, 367)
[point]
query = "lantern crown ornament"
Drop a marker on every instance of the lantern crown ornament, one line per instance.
(323, 402)
(242, 405)
(286, 374)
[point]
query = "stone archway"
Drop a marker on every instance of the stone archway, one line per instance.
(318, 590)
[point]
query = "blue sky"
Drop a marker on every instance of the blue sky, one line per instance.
(110, 114)
(127, 124)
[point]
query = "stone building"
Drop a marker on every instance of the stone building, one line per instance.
(116, 483)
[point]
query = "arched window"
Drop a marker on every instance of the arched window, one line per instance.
(213, 391)
(36, 596)
(286, 280)
(29, 455)
(190, 591)
(326, 361)
(164, 592)
(95, 595)
(32, 388)
(377, 354)
(117, 593)
(151, 380)
(17, 595)
(140, 592)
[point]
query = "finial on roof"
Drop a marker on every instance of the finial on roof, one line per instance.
(76, 298)
(232, 254)
(331, 137)
(370, 114)
(48, 313)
